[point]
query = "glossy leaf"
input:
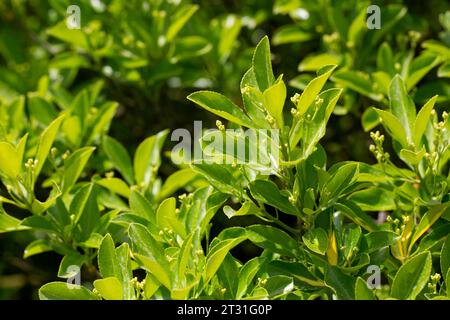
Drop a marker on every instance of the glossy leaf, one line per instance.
(119, 156)
(65, 291)
(412, 277)
(262, 65)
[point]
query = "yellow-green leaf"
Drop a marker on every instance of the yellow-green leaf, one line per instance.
(109, 288)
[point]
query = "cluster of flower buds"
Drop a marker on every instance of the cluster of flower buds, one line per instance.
(220, 125)
(331, 40)
(65, 155)
(414, 36)
(395, 224)
(261, 282)
(432, 286)
(295, 99)
(31, 164)
(377, 147)
(293, 197)
(186, 199)
(318, 101)
(270, 119)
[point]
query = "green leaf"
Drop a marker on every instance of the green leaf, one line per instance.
(9, 223)
(357, 81)
(80, 108)
(412, 277)
(109, 288)
(374, 199)
(149, 253)
(39, 207)
(75, 37)
(357, 27)
(402, 106)
(296, 270)
(385, 59)
(107, 260)
(68, 60)
(290, 34)
(220, 105)
(342, 284)
(217, 254)
(362, 291)
(79, 202)
(253, 101)
(447, 283)
(102, 121)
(393, 126)
(433, 237)
(65, 291)
(147, 158)
(248, 208)
(412, 158)
(186, 255)
(175, 181)
(354, 213)
(249, 80)
(37, 247)
(10, 162)
(94, 241)
(188, 47)
(247, 274)
(422, 119)
(178, 20)
(230, 29)
(445, 258)
(45, 144)
(165, 212)
(381, 81)
(274, 98)
(141, 206)
(151, 286)
(124, 273)
(72, 130)
(370, 119)
(268, 192)
(313, 88)
(219, 176)
(376, 240)
(115, 185)
(316, 240)
(273, 239)
(120, 158)
(21, 146)
(262, 65)
(285, 6)
(315, 62)
(70, 265)
(278, 286)
(420, 67)
(73, 167)
(40, 223)
(41, 110)
(339, 181)
(427, 221)
(444, 70)
(350, 240)
(310, 132)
